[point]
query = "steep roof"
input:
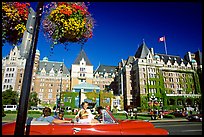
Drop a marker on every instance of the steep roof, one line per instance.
(198, 57)
(106, 68)
(172, 58)
(81, 55)
(142, 51)
(48, 65)
(130, 60)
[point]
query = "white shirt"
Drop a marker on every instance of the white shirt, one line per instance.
(90, 116)
(86, 120)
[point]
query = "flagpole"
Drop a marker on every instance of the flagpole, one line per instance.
(165, 44)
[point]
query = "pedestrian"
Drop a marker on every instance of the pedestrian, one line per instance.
(135, 109)
(161, 115)
(56, 111)
(191, 112)
(131, 114)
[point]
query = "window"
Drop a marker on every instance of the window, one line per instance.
(40, 96)
(82, 69)
(49, 95)
(50, 90)
(144, 90)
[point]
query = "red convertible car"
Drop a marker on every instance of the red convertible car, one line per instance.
(107, 126)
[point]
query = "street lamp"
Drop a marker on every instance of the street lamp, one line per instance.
(196, 107)
(61, 70)
(57, 100)
(161, 104)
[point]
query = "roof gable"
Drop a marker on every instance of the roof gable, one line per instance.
(81, 55)
(142, 51)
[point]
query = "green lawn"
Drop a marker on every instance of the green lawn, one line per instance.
(12, 117)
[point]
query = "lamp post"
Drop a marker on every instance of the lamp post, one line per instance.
(61, 71)
(153, 99)
(196, 107)
(161, 104)
(23, 103)
(57, 100)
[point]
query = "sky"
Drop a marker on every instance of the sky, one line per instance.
(120, 27)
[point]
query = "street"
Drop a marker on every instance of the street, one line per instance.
(181, 128)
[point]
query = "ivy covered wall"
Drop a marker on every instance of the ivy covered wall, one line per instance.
(188, 83)
(105, 98)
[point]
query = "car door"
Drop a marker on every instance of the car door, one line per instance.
(38, 130)
(96, 129)
(62, 129)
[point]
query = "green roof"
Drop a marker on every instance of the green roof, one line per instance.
(85, 85)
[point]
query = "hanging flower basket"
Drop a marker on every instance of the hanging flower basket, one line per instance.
(14, 18)
(66, 22)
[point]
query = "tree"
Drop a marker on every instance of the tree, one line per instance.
(92, 95)
(105, 98)
(33, 99)
(10, 97)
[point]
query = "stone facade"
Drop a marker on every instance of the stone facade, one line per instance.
(146, 74)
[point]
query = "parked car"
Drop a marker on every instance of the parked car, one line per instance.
(195, 117)
(179, 114)
(165, 112)
(107, 126)
(10, 107)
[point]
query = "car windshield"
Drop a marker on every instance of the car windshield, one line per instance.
(107, 118)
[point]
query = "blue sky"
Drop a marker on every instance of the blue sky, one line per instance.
(122, 26)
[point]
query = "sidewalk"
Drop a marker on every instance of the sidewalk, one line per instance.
(169, 120)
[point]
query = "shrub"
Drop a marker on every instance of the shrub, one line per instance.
(169, 116)
(34, 112)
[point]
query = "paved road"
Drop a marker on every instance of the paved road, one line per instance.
(181, 127)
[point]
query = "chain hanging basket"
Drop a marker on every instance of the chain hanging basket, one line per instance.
(66, 22)
(14, 18)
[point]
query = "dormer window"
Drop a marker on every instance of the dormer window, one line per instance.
(52, 72)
